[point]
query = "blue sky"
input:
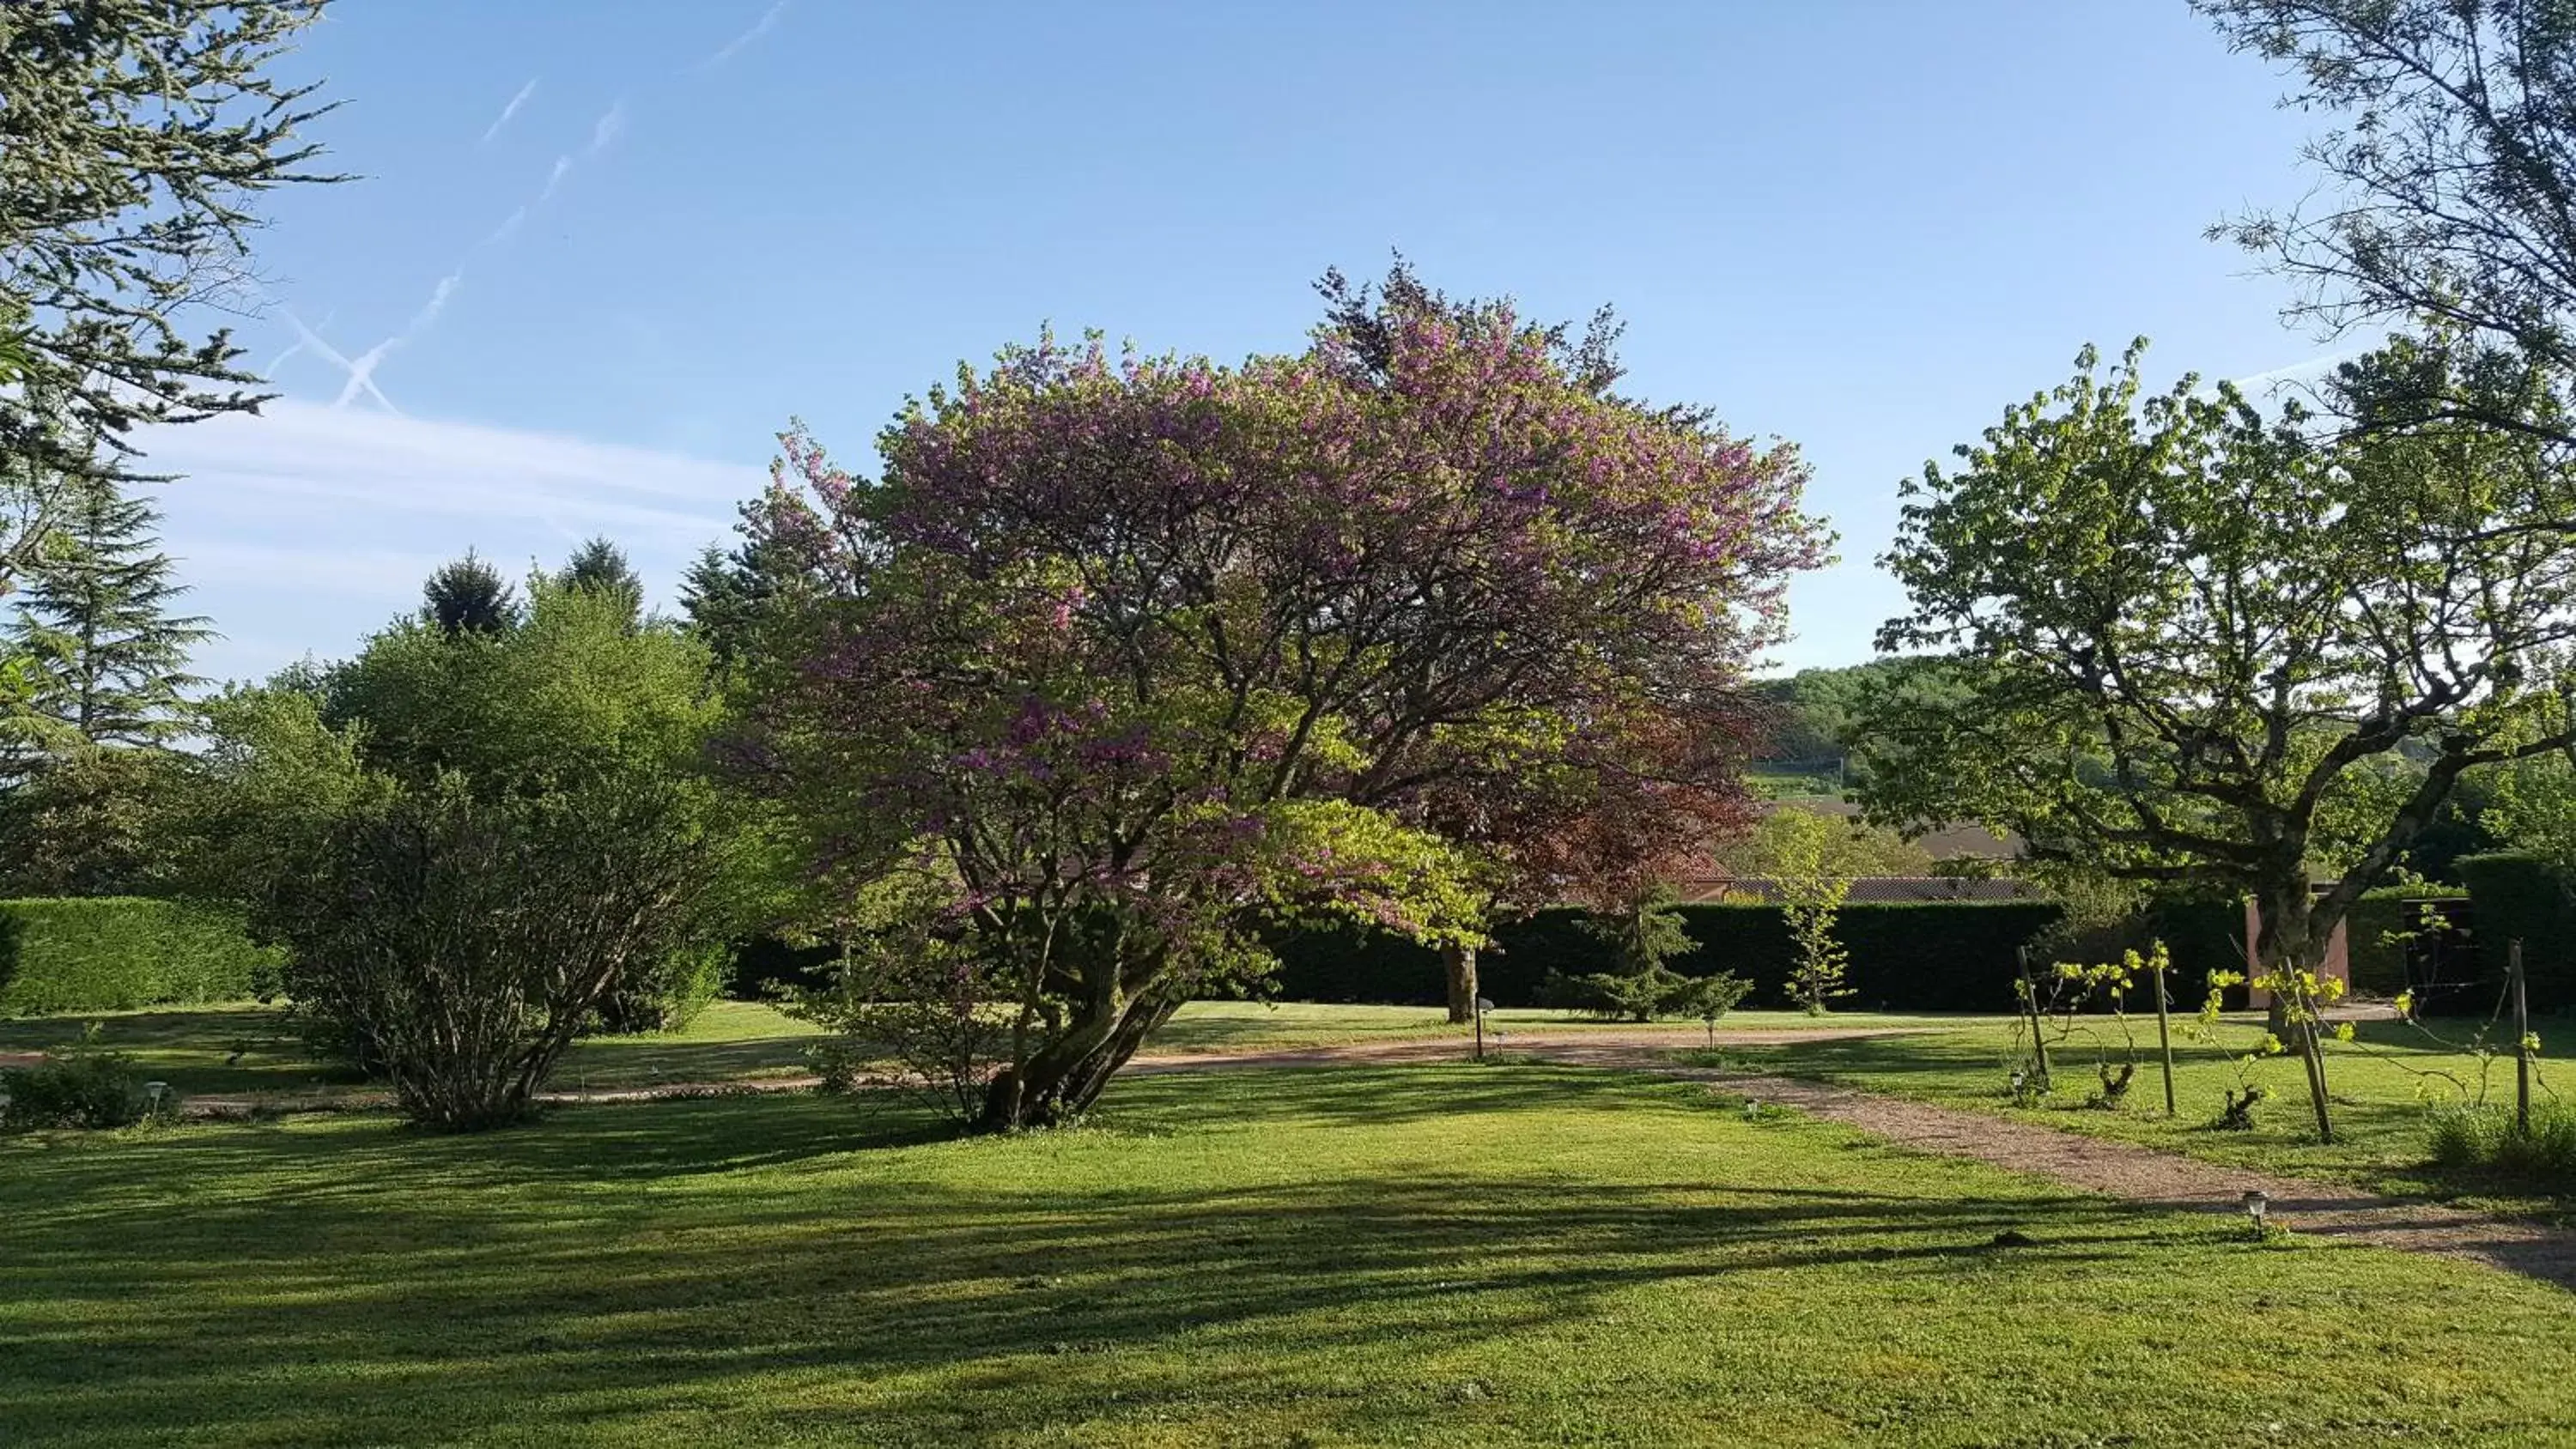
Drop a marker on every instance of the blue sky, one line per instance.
(603, 252)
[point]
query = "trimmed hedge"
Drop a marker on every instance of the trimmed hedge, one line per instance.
(2514, 896)
(116, 953)
(1916, 956)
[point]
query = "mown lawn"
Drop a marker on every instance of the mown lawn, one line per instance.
(1442, 1255)
(2381, 1084)
(246, 1048)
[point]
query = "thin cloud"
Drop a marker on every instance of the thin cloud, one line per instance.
(305, 527)
(508, 228)
(767, 22)
(508, 111)
(605, 131)
(555, 179)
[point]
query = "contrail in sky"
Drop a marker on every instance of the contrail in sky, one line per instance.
(767, 22)
(508, 111)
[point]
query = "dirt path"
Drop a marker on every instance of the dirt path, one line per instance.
(2141, 1175)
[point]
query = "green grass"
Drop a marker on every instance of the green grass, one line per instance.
(248, 1049)
(2378, 1083)
(1436, 1256)
(245, 1048)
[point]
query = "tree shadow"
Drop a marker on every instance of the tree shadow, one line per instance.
(653, 1258)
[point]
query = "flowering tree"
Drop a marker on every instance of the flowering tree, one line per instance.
(1132, 657)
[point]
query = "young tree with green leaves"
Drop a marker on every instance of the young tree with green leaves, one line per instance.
(1811, 860)
(2194, 630)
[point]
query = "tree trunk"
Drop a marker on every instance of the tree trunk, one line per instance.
(1063, 1078)
(2285, 943)
(1461, 964)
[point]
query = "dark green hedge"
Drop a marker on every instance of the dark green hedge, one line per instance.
(2513, 896)
(1928, 956)
(116, 953)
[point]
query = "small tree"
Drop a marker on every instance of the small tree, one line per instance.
(1641, 937)
(1810, 861)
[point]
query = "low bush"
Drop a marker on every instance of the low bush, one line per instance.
(81, 1087)
(64, 956)
(2472, 1141)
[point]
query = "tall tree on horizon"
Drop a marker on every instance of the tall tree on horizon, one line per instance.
(107, 657)
(599, 566)
(468, 595)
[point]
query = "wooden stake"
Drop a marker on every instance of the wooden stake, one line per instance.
(2164, 1039)
(2030, 996)
(2521, 1042)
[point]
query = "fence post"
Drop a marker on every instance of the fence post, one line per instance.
(2164, 1034)
(2030, 999)
(2521, 1041)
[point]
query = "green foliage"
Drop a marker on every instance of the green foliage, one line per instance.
(1811, 862)
(116, 954)
(2516, 896)
(599, 566)
(1931, 956)
(2379, 928)
(138, 136)
(476, 843)
(469, 596)
(92, 822)
(1640, 939)
(455, 944)
(79, 1086)
(2475, 1142)
(93, 613)
(2216, 647)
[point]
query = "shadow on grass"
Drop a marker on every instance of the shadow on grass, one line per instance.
(646, 1257)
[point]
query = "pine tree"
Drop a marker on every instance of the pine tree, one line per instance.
(600, 567)
(108, 659)
(469, 594)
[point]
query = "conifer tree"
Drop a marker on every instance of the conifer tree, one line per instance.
(600, 567)
(469, 595)
(107, 656)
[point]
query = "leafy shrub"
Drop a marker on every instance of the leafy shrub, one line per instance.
(2481, 1141)
(81, 1087)
(118, 953)
(456, 945)
(668, 994)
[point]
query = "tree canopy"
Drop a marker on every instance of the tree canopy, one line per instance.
(1127, 657)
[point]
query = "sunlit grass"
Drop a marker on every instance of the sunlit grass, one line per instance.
(1437, 1256)
(2381, 1084)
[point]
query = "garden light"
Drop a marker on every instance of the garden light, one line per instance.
(2258, 1208)
(153, 1092)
